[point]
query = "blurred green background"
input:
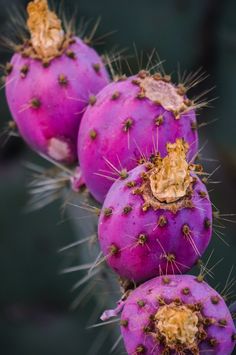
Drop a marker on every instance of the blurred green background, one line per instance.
(34, 299)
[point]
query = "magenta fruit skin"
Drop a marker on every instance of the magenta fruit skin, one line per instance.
(107, 119)
(137, 317)
(58, 105)
(140, 262)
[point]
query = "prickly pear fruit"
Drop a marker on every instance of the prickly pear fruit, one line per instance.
(177, 315)
(50, 81)
(130, 120)
(158, 219)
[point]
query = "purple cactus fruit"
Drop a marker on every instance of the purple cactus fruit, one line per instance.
(177, 315)
(157, 220)
(50, 82)
(130, 120)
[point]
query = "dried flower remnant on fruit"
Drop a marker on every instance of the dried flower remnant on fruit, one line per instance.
(178, 325)
(163, 92)
(171, 179)
(46, 31)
